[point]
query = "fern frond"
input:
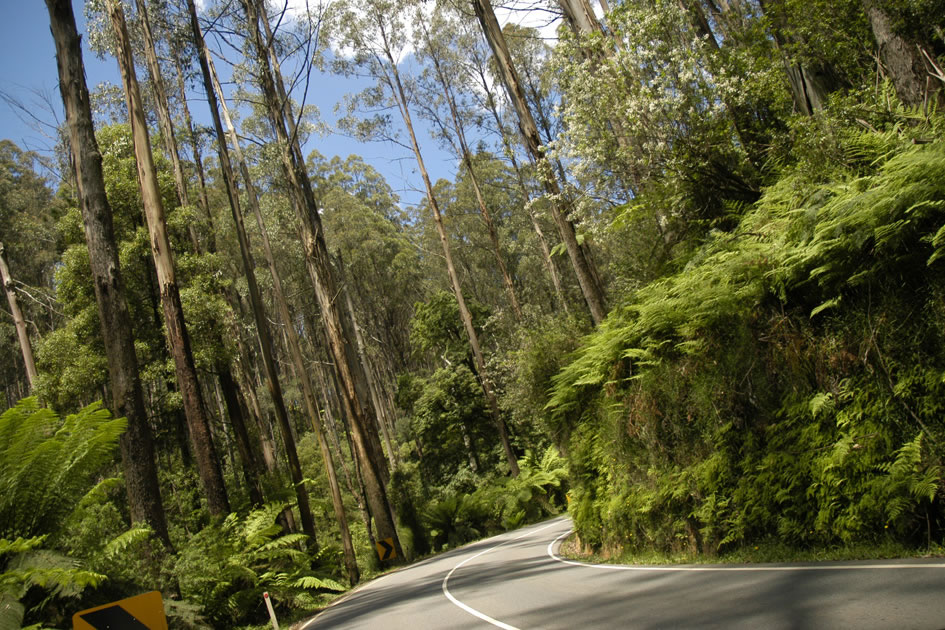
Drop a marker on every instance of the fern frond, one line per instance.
(312, 582)
(123, 541)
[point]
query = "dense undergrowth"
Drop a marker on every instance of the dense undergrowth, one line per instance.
(787, 383)
(65, 545)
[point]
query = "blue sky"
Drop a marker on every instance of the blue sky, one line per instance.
(28, 73)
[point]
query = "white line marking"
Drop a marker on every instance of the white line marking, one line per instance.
(832, 567)
(472, 611)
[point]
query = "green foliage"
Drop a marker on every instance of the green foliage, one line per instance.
(437, 328)
(46, 463)
(226, 567)
(450, 416)
(785, 382)
(406, 492)
(540, 349)
(25, 565)
(537, 492)
(455, 520)
(500, 503)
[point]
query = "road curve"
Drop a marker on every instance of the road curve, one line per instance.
(516, 581)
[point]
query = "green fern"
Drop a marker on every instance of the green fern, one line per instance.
(227, 567)
(47, 464)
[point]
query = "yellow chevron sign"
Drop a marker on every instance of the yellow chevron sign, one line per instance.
(142, 612)
(385, 549)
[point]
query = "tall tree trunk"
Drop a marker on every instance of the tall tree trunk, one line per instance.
(583, 267)
(318, 265)
(379, 406)
(234, 411)
(22, 335)
(198, 158)
(466, 155)
(581, 17)
(330, 393)
(292, 337)
(520, 178)
(169, 137)
(255, 298)
(255, 412)
(161, 104)
(299, 204)
(137, 448)
(901, 58)
(208, 465)
(464, 313)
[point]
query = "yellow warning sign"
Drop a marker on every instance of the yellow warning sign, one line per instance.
(385, 549)
(142, 612)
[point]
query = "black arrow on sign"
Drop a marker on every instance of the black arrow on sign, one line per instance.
(113, 618)
(388, 549)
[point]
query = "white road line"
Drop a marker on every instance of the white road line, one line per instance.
(832, 567)
(472, 611)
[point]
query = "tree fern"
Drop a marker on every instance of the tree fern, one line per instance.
(47, 464)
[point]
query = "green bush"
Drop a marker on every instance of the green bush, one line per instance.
(226, 567)
(787, 382)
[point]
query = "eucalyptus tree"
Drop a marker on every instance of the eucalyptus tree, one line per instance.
(584, 269)
(319, 267)
(226, 384)
(208, 465)
(29, 238)
(163, 110)
(137, 450)
(220, 112)
(377, 34)
(478, 71)
(439, 44)
(263, 333)
(22, 334)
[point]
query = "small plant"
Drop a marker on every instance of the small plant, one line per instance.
(227, 567)
(455, 520)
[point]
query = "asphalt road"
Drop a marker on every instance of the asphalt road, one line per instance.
(515, 581)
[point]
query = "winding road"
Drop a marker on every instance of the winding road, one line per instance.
(516, 581)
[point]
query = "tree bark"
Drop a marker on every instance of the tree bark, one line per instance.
(171, 147)
(583, 267)
(520, 177)
(900, 56)
(810, 84)
(464, 313)
(378, 404)
(318, 265)
(234, 411)
(208, 464)
(137, 448)
(255, 298)
(292, 337)
(198, 158)
(161, 104)
(22, 334)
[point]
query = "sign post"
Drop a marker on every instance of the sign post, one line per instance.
(272, 613)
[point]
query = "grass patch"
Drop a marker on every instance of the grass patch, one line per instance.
(765, 552)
